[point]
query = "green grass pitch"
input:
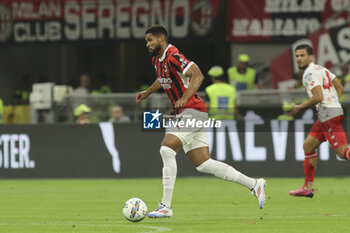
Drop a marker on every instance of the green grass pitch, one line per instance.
(202, 205)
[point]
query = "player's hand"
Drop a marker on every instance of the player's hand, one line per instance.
(141, 96)
(180, 103)
(295, 110)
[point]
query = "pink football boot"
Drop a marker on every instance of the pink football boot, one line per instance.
(302, 192)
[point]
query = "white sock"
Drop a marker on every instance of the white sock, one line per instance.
(226, 172)
(169, 174)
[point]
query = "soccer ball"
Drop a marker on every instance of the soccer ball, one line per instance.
(134, 210)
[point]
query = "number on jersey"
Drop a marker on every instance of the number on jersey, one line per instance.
(327, 83)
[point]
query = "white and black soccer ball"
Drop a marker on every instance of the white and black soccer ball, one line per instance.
(134, 209)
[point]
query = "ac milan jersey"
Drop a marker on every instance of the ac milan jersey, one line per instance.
(170, 70)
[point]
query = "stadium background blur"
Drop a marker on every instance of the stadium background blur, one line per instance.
(61, 57)
(65, 60)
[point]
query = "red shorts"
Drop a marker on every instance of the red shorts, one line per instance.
(331, 130)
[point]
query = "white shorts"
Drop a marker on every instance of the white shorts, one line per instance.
(191, 137)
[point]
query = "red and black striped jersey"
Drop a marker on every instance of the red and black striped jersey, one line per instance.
(170, 71)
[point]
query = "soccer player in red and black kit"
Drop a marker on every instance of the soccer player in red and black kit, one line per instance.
(180, 78)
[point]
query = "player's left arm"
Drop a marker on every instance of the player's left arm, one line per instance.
(196, 76)
(338, 87)
(316, 98)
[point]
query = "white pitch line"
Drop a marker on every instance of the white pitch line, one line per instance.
(157, 229)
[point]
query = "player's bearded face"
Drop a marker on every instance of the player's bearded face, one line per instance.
(302, 58)
(153, 44)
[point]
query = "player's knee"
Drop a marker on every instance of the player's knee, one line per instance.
(167, 152)
(307, 147)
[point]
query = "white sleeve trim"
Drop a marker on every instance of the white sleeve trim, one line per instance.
(187, 67)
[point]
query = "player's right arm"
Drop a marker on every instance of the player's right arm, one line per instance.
(338, 87)
(144, 94)
(316, 98)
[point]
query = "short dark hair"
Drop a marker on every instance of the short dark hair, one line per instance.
(306, 47)
(158, 30)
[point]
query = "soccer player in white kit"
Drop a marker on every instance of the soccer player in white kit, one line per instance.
(180, 79)
(324, 90)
